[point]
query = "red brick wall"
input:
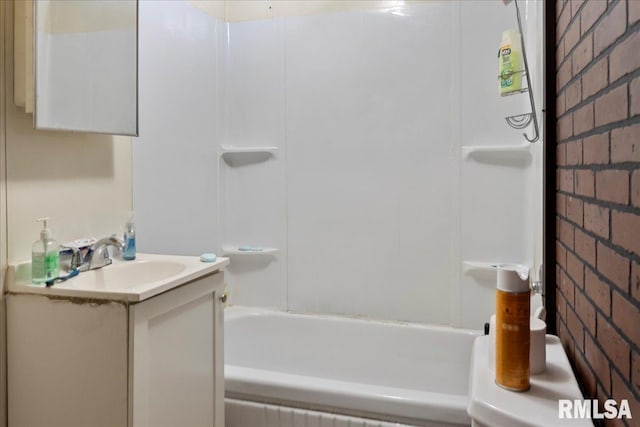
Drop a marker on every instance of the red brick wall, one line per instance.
(598, 195)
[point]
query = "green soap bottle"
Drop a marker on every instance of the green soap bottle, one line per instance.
(45, 257)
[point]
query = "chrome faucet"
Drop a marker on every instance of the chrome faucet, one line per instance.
(97, 256)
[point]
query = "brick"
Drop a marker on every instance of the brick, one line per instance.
(561, 204)
(560, 105)
(635, 280)
(624, 58)
(613, 266)
(560, 4)
(561, 304)
(565, 338)
(567, 288)
(634, 11)
(634, 102)
(586, 312)
(635, 372)
(563, 20)
(625, 144)
(585, 246)
(596, 78)
(561, 154)
(595, 149)
(574, 152)
(583, 119)
(576, 329)
(582, 54)
(566, 234)
(564, 127)
(572, 36)
(625, 231)
(612, 106)
(565, 180)
(561, 255)
(560, 54)
(614, 346)
(612, 26)
(575, 210)
(575, 269)
(598, 362)
(597, 291)
(613, 186)
(621, 390)
(635, 188)
(590, 14)
(563, 75)
(573, 94)
(575, 6)
(596, 219)
(585, 375)
(584, 182)
(626, 316)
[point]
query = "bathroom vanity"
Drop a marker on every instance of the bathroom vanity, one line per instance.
(135, 343)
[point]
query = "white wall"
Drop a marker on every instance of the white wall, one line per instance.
(82, 181)
(175, 157)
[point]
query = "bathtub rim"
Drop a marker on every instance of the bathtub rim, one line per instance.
(365, 400)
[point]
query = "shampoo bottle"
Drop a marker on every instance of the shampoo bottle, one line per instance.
(513, 300)
(45, 257)
(129, 252)
(510, 63)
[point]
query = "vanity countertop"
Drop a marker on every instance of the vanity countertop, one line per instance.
(130, 281)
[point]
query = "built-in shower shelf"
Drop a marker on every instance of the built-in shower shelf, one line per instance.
(227, 150)
(236, 156)
(478, 265)
(468, 266)
(482, 152)
(248, 251)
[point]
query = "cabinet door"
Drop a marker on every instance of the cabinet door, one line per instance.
(173, 360)
(67, 362)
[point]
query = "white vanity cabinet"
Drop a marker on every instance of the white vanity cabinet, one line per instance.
(76, 361)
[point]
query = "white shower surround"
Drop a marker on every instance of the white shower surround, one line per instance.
(366, 195)
(369, 110)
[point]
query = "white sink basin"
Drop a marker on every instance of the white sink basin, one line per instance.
(132, 281)
(130, 274)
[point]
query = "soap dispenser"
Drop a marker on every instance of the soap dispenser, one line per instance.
(45, 257)
(129, 252)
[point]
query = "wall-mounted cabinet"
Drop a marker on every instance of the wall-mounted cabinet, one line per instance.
(76, 64)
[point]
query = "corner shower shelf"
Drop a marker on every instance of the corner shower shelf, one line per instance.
(485, 266)
(470, 150)
(236, 156)
(229, 150)
(478, 265)
(248, 251)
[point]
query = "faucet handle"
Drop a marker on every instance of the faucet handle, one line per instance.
(76, 258)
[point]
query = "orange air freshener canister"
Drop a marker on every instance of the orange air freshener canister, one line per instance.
(513, 300)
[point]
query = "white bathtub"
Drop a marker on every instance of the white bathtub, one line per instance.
(392, 372)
